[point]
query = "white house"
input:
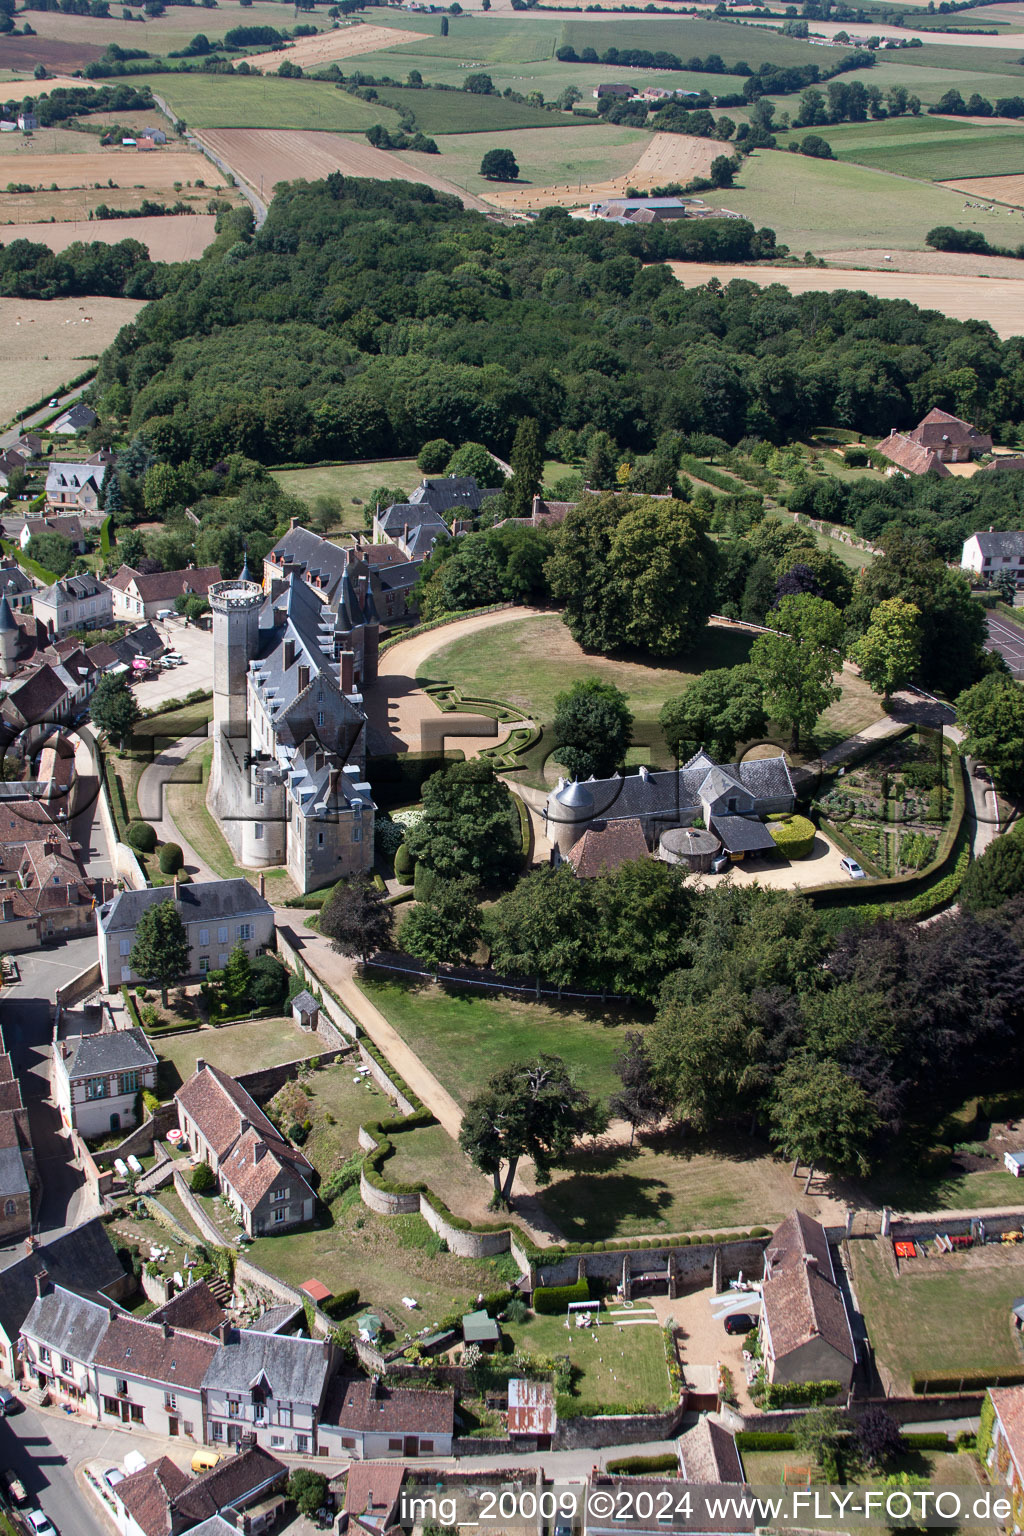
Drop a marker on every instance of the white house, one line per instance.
(152, 1374)
(74, 487)
(97, 1079)
(59, 1340)
(369, 1419)
(268, 1385)
(987, 555)
(217, 914)
(74, 602)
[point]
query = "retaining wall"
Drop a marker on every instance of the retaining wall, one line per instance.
(79, 986)
(694, 1264)
(141, 1139)
(266, 1081)
(126, 865)
(333, 1018)
(616, 1429)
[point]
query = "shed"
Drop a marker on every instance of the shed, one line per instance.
(742, 835)
(1013, 1162)
(691, 846)
(305, 1010)
(479, 1328)
(316, 1291)
(531, 1410)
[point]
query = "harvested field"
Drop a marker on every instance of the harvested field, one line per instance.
(1001, 189)
(157, 170)
(74, 204)
(952, 263)
(43, 344)
(39, 87)
(51, 141)
(556, 166)
(159, 34)
(1001, 303)
(181, 238)
(345, 43)
(666, 157)
(27, 52)
(265, 156)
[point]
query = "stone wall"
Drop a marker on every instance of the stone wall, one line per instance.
(333, 1017)
(693, 1264)
(139, 1142)
(79, 986)
(267, 1081)
(384, 1082)
(464, 1445)
(616, 1429)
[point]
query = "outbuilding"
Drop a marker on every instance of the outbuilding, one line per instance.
(480, 1328)
(690, 846)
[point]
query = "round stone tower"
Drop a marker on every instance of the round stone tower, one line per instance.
(236, 612)
(570, 810)
(9, 633)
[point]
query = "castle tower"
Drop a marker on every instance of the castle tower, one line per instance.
(568, 814)
(9, 635)
(236, 612)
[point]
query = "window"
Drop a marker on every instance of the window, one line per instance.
(222, 935)
(245, 930)
(426, 1445)
(170, 1402)
(44, 1354)
(136, 1411)
(319, 717)
(233, 1409)
(10, 1209)
(259, 831)
(276, 1440)
(357, 832)
(279, 1194)
(127, 1082)
(258, 797)
(204, 936)
(281, 1213)
(218, 1431)
(96, 1088)
(204, 964)
(395, 1443)
(125, 947)
(319, 839)
(222, 959)
(284, 1414)
(302, 1444)
(122, 1387)
(65, 1365)
(259, 1413)
(111, 1405)
(348, 1442)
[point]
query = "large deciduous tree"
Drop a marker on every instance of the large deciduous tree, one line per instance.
(592, 728)
(469, 825)
(718, 709)
(530, 1109)
(889, 651)
(355, 918)
(991, 715)
(113, 707)
(499, 165)
(160, 952)
(641, 1100)
(446, 929)
(822, 1117)
(797, 666)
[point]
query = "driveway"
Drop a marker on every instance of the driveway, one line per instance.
(196, 646)
(821, 867)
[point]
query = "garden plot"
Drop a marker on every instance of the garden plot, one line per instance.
(894, 805)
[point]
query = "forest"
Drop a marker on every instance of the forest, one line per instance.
(366, 318)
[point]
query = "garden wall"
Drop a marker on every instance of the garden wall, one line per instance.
(140, 1140)
(693, 1264)
(266, 1081)
(79, 986)
(337, 1021)
(126, 865)
(616, 1429)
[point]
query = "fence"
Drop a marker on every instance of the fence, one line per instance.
(455, 976)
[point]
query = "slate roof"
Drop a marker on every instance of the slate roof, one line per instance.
(69, 527)
(65, 1321)
(195, 1308)
(207, 900)
(448, 491)
(141, 1349)
(320, 561)
(79, 417)
(414, 515)
(64, 477)
(999, 544)
(215, 1526)
(606, 846)
(72, 589)
(82, 1260)
(674, 791)
(742, 834)
(147, 1495)
(304, 1002)
(164, 586)
(361, 1406)
(13, 1180)
(1008, 1403)
(232, 1481)
(909, 455)
(38, 696)
(296, 1369)
(708, 1454)
(14, 580)
(800, 1299)
(122, 1050)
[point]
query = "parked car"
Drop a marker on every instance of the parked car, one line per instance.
(720, 863)
(852, 868)
(54, 402)
(16, 1490)
(8, 1403)
(739, 1322)
(204, 1461)
(112, 1476)
(40, 1524)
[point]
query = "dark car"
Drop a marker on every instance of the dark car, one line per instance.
(739, 1322)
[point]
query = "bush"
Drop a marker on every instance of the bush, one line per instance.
(793, 836)
(341, 1179)
(550, 1299)
(170, 858)
(931, 1440)
(150, 1102)
(404, 867)
(976, 1381)
(764, 1440)
(424, 882)
(341, 1304)
(856, 458)
(141, 836)
(637, 1465)
(203, 1180)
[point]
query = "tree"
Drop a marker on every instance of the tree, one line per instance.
(131, 547)
(160, 952)
(473, 459)
(444, 26)
(822, 1117)
(469, 825)
(170, 858)
(723, 169)
(191, 606)
(499, 165)
(998, 875)
(530, 1109)
(991, 715)
(236, 977)
(203, 1180)
(819, 1434)
(113, 708)
(309, 1491)
(592, 728)
(641, 1099)
(797, 666)
(890, 649)
(879, 1437)
(52, 551)
(718, 710)
(479, 85)
(446, 929)
(434, 456)
(543, 927)
(527, 461)
(600, 463)
(355, 918)
(1004, 583)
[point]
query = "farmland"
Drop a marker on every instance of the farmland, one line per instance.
(667, 157)
(576, 157)
(933, 148)
(44, 344)
(180, 238)
(126, 168)
(1003, 189)
(86, 36)
(310, 52)
(464, 112)
(264, 101)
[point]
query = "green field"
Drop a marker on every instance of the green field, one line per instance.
(688, 37)
(558, 155)
(464, 1039)
(264, 101)
(234, 1048)
(821, 205)
(934, 149)
(353, 484)
(918, 1323)
(161, 34)
(464, 112)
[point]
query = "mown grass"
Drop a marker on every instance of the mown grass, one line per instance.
(187, 808)
(466, 112)
(161, 34)
(234, 1048)
(558, 155)
(941, 155)
(612, 1363)
(690, 37)
(353, 484)
(264, 101)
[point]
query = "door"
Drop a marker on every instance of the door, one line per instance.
(115, 1122)
(172, 1424)
(126, 973)
(412, 1445)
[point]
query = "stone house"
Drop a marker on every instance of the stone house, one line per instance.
(269, 1386)
(152, 1374)
(1005, 1458)
(217, 914)
(69, 527)
(143, 1501)
(59, 1340)
(371, 1419)
(97, 1079)
(805, 1330)
(82, 1260)
(74, 602)
(140, 597)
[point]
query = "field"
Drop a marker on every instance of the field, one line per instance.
(953, 263)
(666, 157)
(917, 1323)
(310, 52)
(89, 36)
(170, 239)
(233, 1048)
(576, 157)
(45, 343)
(463, 1038)
(933, 148)
(688, 36)
(352, 483)
(819, 204)
(1002, 189)
(264, 101)
(156, 171)
(465, 112)
(265, 157)
(1001, 303)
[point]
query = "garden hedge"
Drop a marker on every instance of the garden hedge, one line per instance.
(764, 1440)
(978, 1381)
(637, 1465)
(793, 836)
(404, 865)
(549, 1299)
(170, 858)
(927, 1440)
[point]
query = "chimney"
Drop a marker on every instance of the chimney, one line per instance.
(348, 661)
(644, 773)
(224, 1331)
(261, 884)
(244, 1125)
(303, 678)
(535, 509)
(291, 523)
(289, 653)
(43, 1286)
(200, 1064)
(165, 1329)
(350, 555)
(810, 1261)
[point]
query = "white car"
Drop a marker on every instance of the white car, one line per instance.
(41, 1524)
(54, 402)
(852, 868)
(112, 1476)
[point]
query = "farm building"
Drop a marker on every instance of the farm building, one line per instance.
(909, 458)
(805, 1331)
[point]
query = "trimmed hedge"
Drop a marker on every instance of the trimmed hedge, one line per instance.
(525, 831)
(978, 1381)
(637, 1465)
(927, 1441)
(764, 1440)
(549, 1299)
(170, 858)
(793, 836)
(141, 836)
(341, 1304)
(404, 865)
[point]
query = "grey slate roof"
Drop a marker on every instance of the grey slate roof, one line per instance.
(82, 1259)
(305, 1002)
(450, 491)
(79, 417)
(209, 899)
(7, 621)
(74, 587)
(678, 791)
(741, 834)
(68, 1322)
(415, 514)
(296, 1369)
(120, 1050)
(12, 1173)
(215, 1526)
(1001, 544)
(420, 543)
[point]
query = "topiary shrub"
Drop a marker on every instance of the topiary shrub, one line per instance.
(793, 837)
(203, 1180)
(141, 836)
(424, 882)
(404, 866)
(170, 858)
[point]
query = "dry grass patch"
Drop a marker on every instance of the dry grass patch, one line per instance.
(345, 43)
(180, 238)
(43, 344)
(126, 168)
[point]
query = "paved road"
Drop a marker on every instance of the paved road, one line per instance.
(12, 435)
(35, 1448)
(1008, 640)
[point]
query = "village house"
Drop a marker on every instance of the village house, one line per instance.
(195, 1308)
(69, 528)
(16, 585)
(74, 487)
(1005, 1458)
(81, 1260)
(372, 1492)
(44, 893)
(74, 602)
(805, 1330)
(431, 513)
(270, 1386)
(937, 440)
(143, 1500)
(97, 1079)
(78, 418)
(246, 1492)
(152, 1374)
(59, 1340)
(987, 555)
(217, 914)
(265, 1178)
(606, 845)
(136, 596)
(707, 1453)
(908, 457)
(369, 1419)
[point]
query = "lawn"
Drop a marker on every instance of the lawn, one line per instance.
(464, 111)
(464, 1038)
(941, 1469)
(234, 1048)
(558, 155)
(918, 1323)
(429, 1156)
(264, 101)
(337, 1102)
(185, 799)
(691, 36)
(670, 1185)
(353, 484)
(818, 205)
(150, 737)
(856, 559)
(612, 1364)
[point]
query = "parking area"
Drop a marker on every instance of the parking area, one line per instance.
(705, 1343)
(1008, 640)
(821, 867)
(195, 646)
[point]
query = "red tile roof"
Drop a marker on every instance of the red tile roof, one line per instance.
(362, 1405)
(800, 1298)
(141, 1349)
(316, 1290)
(1009, 1405)
(147, 1495)
(373, 1488)
(941, 430)
(606, 846)
(909, 455)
